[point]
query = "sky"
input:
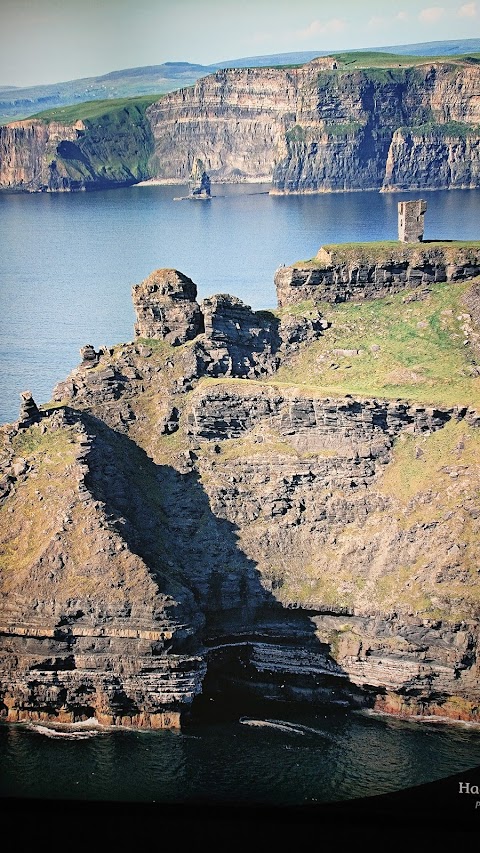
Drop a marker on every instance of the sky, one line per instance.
(50, 41)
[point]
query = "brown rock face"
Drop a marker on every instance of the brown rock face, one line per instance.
(307, 129)
(28, 155)
(29, 413)
(238, 341)
(166, 307)
(321, 128)
(287, 543)
(337, 277)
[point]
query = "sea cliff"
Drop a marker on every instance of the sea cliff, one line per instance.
(317, 127)
(205, 512)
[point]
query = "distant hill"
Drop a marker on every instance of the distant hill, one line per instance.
(430, 48)
(17, 103)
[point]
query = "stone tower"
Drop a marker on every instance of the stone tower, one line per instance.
(411, 220)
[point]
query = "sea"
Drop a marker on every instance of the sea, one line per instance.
(67, 266)
(68, 260)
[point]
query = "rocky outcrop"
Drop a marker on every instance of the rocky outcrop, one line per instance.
(367, 271)
(166, 307)
(238, 341)
(29, 413)
(199, 182)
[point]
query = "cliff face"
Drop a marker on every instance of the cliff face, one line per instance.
(313, 129)
(181, 521)
(28, 154)
(337, 274)
(41, 155)
(307, 129)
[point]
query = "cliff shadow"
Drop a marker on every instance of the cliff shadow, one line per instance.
(255, 647)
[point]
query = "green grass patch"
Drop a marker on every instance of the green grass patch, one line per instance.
(410, 474)
(393, 251)
(407, 350)
(373, 59)
(89, 110)
(296, 134)
(33, 443)
(457, 129)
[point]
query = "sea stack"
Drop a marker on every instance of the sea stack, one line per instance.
(199, 182)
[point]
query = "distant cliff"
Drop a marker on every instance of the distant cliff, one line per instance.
(86, 147)
(318, 127)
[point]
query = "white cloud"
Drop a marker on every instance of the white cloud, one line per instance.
(378, 22)
(468, 10)
(321, 28)
(432, 14)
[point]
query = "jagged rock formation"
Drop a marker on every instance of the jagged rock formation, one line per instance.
(29, 413)
(367, 271)
(313, 128)
(238, 341)
(185, 524)
(166, 307)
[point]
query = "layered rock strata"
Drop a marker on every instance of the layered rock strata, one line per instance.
(367, 271)
(314, 128)
(185, 526)
(166, 307)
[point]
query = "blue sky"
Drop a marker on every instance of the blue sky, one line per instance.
(46, 41)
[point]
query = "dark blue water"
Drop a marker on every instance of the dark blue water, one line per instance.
(320, 758)
(68, 261)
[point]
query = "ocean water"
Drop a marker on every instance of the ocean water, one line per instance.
(68, 261)
(295, 759)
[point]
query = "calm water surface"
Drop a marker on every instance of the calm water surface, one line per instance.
(68, 261)
(320, 759)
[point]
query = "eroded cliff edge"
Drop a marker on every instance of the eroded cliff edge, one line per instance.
(318, 127)
(189, 515)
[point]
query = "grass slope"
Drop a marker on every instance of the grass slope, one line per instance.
(91, 110)
(413, 350)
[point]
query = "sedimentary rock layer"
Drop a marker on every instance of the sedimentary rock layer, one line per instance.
(367, 271)
(307, 129)
(184, 524)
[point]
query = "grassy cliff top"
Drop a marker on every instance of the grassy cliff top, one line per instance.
(365, 59)
(386, 250)
(96, 109)
(372, 59)
(425, 351)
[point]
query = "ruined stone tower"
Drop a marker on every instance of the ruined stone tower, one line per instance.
(411, 220)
